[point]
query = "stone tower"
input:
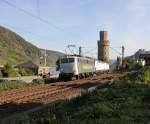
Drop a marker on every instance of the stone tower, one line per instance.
(103, 47)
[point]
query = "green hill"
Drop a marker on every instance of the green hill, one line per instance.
(14, 49)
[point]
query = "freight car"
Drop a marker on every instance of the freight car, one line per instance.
(101, 67)
(79, 67)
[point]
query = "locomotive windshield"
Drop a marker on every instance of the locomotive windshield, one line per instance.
(67, 60)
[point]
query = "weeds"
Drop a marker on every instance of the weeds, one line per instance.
(17, 85)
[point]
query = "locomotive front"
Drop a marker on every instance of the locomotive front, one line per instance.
(67, 67)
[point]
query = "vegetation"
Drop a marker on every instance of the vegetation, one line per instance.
(14, 49)
(131, 64)
(25, 72)
(125, 102)
(1, 74)
(141, 76)
(9, 71)
(16, 85)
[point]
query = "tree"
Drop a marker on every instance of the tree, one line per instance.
(131, 64)
(1, 75)
(58, 64)
(9, 71)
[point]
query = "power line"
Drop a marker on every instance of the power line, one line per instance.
(14, 27)
(38, 8)
(115, 50)
(90, 50)
(32, 15)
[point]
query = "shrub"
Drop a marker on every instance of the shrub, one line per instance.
(9, 71)
(1, 75)
(131, 64)
(143, 75)
(29, 72)
(25, 72)
(37, 81)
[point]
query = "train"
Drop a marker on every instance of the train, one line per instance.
(80, 66)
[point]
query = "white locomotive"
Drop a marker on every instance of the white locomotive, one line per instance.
(79, 67)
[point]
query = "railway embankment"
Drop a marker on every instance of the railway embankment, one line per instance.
(26, 100)
(125, 101)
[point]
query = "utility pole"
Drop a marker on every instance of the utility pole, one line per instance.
(123, 49)
(45, 58)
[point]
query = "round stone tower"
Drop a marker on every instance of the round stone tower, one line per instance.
(103, 47)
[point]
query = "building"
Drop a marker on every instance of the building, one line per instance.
(43, 70)
(36, 69)
(29, 65)
(145, 55)
(103, 47)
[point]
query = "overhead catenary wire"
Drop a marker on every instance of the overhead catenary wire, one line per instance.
(38, 8)
(116, 50)
(93, 49)
(32, 15)
(18, 28)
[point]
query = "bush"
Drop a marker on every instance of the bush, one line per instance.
(29, 72)
(143, 75)
(131, 64)
(38, 81)
(1, 75)
(9, 71)
(25, 72)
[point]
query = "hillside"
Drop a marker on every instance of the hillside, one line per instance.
(14, 49)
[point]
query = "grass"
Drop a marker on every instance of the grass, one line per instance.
(16, 85)
(125, 102)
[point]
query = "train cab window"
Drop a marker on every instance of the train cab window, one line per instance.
(64, 60)
(67, 60)
(71, 60)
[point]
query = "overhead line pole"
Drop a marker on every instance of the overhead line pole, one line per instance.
(123, 49)
(45, 59)
(80, 50)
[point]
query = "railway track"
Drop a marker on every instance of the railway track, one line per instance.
(48, 93)
(39, 91)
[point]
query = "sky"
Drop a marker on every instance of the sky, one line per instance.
(54, 24)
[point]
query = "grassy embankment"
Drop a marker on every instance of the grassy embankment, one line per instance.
(125, 102)
(16, 85)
